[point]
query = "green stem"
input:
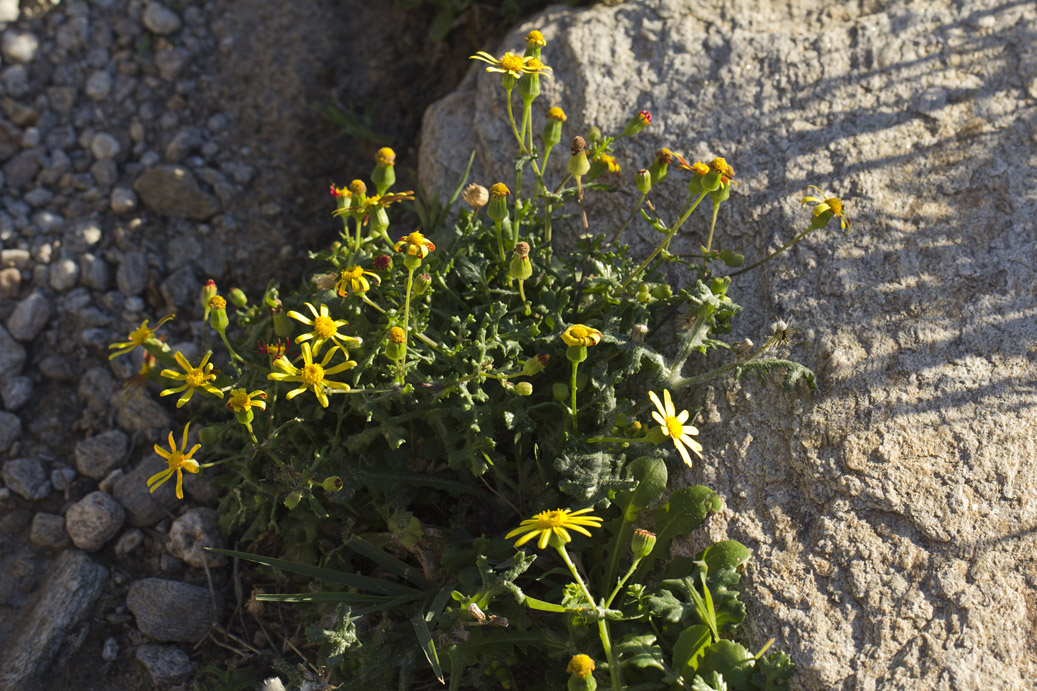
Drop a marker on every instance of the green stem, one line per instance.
(500, 242)
(522, 294)
(406, 322)
(622, 581)
(603, 633)
(775, 253)
(712, 225)
(233, 353)
(630, 217)
(706, 376)
(511, 119)
(573, 391)
(664, 243)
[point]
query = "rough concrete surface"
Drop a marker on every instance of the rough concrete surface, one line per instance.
(892, 512)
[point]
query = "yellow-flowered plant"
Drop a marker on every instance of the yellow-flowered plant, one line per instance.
(674, 425)
(138, 337)
(325, 329)
(200, 377)
(353, 281)
(312, 376)
(177, 461)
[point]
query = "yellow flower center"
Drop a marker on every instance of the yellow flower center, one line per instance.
(239, 402)
(835, 205)
(580, 665)
(396, 335)
(720, 167)
(195, 377)
(579, 331)
(551, 519)
(534, 65)
(175, 459)
(512, 62)
(416, 239)
(535, 38)
(385, 156)
(324, 327)
(312, 375)
(217, 303)
(352, 273)
(674, 428)
(357, 187)
(557, 113)
(499, 190)
(140, 336)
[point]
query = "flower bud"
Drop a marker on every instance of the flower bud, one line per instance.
(535, 364)
(293, 499)
(379, 223)
(282, 324)
(602, 163)
(642, 543)
(644, 294)
(578, 164)
(581, 670)
(731, 258)
(332, 484)
(524, 388)
(358, 193)
(238, 297)
(743, 348)
(498, 209)
(396, 346)
(384, 174)
(421, 284)
(218, 313)
(534, 42)
(475, 196)
(382, 262)
(208, 292)
(593, 134)
(644, 181)
(660, 166)
(662, 291)
(559, 391)
(520, 266)
(637, 123)
(638, 333)
(552, 133)
(529, 85)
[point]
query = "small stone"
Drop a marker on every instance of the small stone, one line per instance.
(19, 46)
(22, 168)
(99, 85)
(123, 200)
(108, 484)
(165, 664)
(29, 317)
(173, 191)
(170, 610)
(132, 274)
(100, 454)
(24, 476)
(16, 80)
(12, 354)
(195, 529)
(64, 274)
(183, 144)
(10, 279)
(160, 20)
(20, 114)
(37, 197)
(110, 650)
(144, 508)
(129, 541)
(9, 10)
(48, 532)
(93, 271)
(105, 145)
(10, 430)
(62, 478)
(139, 412)
(94, 520)
(105, 172)
(169, 62)
(18, 258)
(57, 368)
(61, 98)
(180, 289)
(15, 392)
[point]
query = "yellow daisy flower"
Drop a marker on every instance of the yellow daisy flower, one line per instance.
(311, 376)
(580, 335)
(833, 206)
(674, 427)
(240, 401)
(512, 63)
(351, 281)
(580, 665)
(324, 329)
(138, 337)
(192, 377)
(177, 460)
(415, 245)
(553, 527)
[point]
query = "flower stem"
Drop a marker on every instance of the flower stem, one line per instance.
(522, 294)
(774, 254)
(712, 225)
(572, 388)
(500, 242)
(511, 119)
(603, 626)
(406, 322)
(622, 581)
(664, 243)
(630, 217)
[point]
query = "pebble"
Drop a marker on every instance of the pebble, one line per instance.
(16, 80)
(10, 279)
(93, 271)
(9, 10)
(99, 455)
(110, 650)
(105, 172)
(105, 145)
(174, 191)
(29, 317)
(94, 520)
(169, 62)
(10, 430)
(143, 508)
(48, 532)
(99, 86)
(62, 478)
(170, 610)
(129, 541)
(64, 274)
(95, 388)
(12, 354)
(21, 169)
(15, 392)
(132, 274)
(160, 20)
(19, 46)
(180, 289)
(108, 484)
(186, 142)
(165, 664)
(123, 200)
(140, 412)
(26, 477)
(195, 529)
(20, 114)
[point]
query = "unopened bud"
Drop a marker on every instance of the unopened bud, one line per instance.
(421, 284)
(552, 133)
(384, 174)
(382, 262)
(593, 134)
(499, 194)
(208, 291)
(293, 499)
(535, 364)
(524, 388)
(332, 484)
(218, 313)
(238, 297)
(638, 333)
(379, 223)
(396, 346)
(578, 164)
(559, 391)
(637, 123)
(520, 267)
(642, 543)
(644, 181)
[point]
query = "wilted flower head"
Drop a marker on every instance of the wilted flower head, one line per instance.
(475, 196)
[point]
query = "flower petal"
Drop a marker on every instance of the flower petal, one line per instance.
(670, 410)
(658, 404)
(684, 452)
(683, 417)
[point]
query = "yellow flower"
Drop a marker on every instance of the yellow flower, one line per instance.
(311, 376)
(351, 281)
(415, 245)
(581, 665)
(580, 335)
(535, 38)
(385, 156)
(373, 203)
(557, 114)
(830, 205)
(240, 401)
(177, 460)
(673, 426)
(193, 378)
(138, 337)
(499, 190)
(608, 161)
(324, 329)
(553, 526)
(512, 63)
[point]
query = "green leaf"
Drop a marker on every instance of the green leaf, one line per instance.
(534, 603)
(726, 554)
(794, 372)
(387, 561)
(640, 651)
(714, 682)
(731, 661)
(427, 646)
(690, 647)
(773, 672)
(685, 510)
(650, 474)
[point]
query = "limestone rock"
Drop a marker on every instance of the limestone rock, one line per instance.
(888, 513)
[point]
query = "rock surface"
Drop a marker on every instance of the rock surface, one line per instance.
(94, 520)
(165, 664)
(890, 513)
(170, 610)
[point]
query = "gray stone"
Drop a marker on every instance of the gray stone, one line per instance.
(99, 85)
(129, 541)
(10, 430)
(165, 664)
(16, 80)
(48, 532)
(12, 354)
(136, 410)
(61, 98)
(169, 62)
(25, 477)
(94, 272)
(29, 317)
(20, 170)
(95, 388)
(110, 650)
(64, 274)
(160, 20)
(191, 532)
(20, 114)
(100, 454)
(888, 513)
(37, 197)
(10, 280)
(144, 508)
(104, 145)
(19, 46)
(180, 289)
(123, 200)
(68, 593)
(17, 258)
(58, 368)
(15, 391)
(185, 143)
(105, 172)
(170, 610)
(132, 274)
(174, 191)
(94, 520)
(62, 478)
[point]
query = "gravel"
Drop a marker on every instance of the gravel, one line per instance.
(94, 520)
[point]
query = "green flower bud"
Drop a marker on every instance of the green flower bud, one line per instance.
(644, 294)
(524, 388)
(332, 484)
(732, 258)
(578, 164)
(293, 499)
(508, 81)
(396, 346)
(559, 391)
(593, 134)
(644, 181)
(208, 293)
(642, 543)
(384, 174)
(535, 365)
(218, 313)
(660, 165)
(720, 194)
(576, 353)
(662, 291)
(552, 133)
(379, 222)
(498, 209)
(238, 297)
(529, 87)
(520, 266)
(421, 284)
(382, 263)
(637, 123)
